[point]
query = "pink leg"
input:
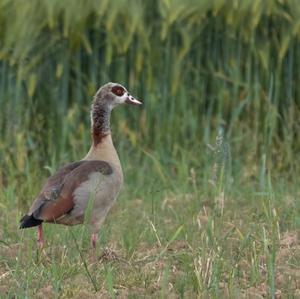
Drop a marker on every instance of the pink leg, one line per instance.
(94, 240)
(40, 236)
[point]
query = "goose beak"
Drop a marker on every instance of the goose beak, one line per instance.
(132, 101)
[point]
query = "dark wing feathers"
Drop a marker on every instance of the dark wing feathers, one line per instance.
(56, 197)
(52, 187)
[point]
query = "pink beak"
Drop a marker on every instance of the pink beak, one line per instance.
(132, 101)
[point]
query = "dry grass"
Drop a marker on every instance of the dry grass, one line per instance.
(227, 255)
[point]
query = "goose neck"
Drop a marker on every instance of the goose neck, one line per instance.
(100, 121)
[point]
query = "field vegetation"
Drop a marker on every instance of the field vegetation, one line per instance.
(210, 207)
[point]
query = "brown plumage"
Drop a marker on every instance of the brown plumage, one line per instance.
(98, 177)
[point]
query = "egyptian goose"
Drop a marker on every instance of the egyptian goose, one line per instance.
(66, 194)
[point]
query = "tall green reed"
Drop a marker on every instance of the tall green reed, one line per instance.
(196, 65)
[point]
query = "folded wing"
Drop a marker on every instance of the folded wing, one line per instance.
(57, 197)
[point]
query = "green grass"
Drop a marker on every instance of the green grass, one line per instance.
(161, 241)
(202, 213)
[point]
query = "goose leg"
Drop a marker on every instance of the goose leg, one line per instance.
(94, 238)
(40, 236)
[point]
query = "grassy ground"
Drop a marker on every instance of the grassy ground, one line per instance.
(201, 238)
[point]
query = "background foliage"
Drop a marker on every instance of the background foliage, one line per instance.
(196, 65)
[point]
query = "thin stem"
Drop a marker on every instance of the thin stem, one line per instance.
(84, 263)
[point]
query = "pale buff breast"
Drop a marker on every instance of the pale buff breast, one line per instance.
(98, 193)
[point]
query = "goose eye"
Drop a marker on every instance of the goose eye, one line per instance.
(118, 90)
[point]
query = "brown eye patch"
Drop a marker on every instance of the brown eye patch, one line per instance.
(118, 90)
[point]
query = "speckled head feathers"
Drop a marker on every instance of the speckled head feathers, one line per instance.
(107, 97)
(114, 94)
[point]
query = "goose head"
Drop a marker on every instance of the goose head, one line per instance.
(114, 94)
